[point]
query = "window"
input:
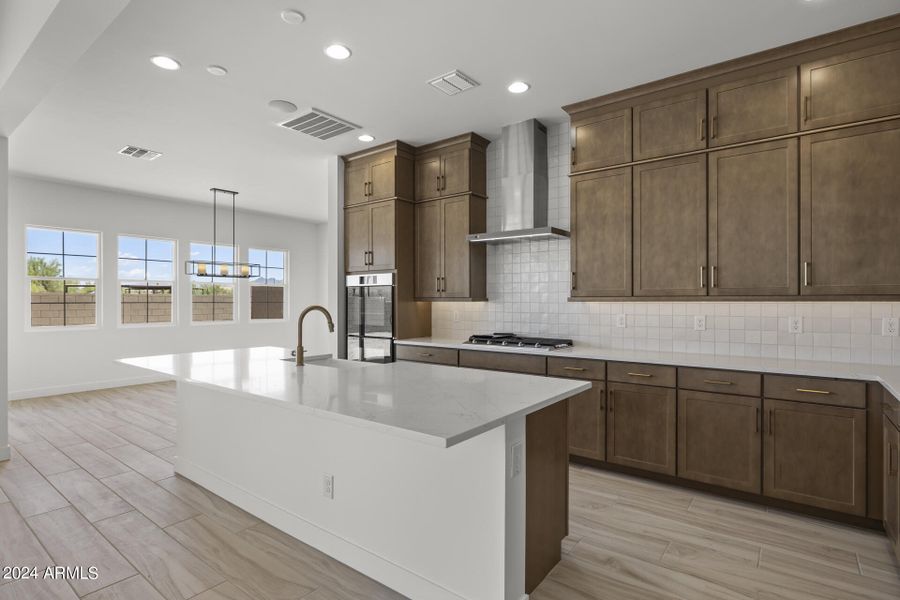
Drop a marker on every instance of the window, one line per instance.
(212, 299)
(62, 275)
(146, 270)
(267, 291)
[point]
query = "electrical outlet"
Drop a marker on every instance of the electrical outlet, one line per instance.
(699, 323)
(890, 326)
(328, 486)
(516, 458)
(621, 321)
(795, 324)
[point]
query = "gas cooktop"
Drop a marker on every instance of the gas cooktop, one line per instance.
(517, 341)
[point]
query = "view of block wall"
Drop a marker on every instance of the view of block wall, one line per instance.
(57, 309)
(146, 308)
(210, 308)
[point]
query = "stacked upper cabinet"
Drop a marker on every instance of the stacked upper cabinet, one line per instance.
(769, 177)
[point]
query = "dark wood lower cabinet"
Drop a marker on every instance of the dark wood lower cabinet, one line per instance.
(815, 455)
(892, 485)
(641, 427)
(719, 439)
(587, 423)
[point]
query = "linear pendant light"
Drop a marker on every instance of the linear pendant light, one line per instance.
(223, 269)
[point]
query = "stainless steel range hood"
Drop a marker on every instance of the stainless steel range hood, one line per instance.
(523, 186)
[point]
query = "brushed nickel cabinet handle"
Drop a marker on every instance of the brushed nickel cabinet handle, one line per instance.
(640, 374)
(425, 354)
(574, 368)
(702, 276)
(805, 109)
(715, 127)
(437, 184)
(437, 284)
(805, 273)
(573, 280)
(806, 391)
(443, 182)
(573, 155)
(702, 129)
(712, 276)
(717, 382)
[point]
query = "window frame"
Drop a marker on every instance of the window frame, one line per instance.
(98, 300)
(235, 315)
(285, 315)
(121, 282)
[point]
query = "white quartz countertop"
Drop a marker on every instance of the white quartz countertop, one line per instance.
(889, 376)
(433, 404)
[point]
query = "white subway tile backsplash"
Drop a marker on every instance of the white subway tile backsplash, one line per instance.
(528, 287)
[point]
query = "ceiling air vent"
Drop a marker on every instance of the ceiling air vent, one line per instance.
(319, 124)
(453, 83)
(142, 153)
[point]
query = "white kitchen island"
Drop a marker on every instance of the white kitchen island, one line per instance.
(428, 462)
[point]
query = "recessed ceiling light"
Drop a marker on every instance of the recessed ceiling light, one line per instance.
(366, 138)
(165, 62)
(282, 106)
(217, 70)
(517, 87)
(294, 17)
(338, 52)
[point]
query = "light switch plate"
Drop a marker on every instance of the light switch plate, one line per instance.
(328, 486)
(621, 321)
(699, 323)
(795, 324)
(516, 459)
(890, 326)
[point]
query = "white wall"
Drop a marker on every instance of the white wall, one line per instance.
(59, 361)
(4, 346)
(528, 283)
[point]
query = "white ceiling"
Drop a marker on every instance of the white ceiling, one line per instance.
(217, 131)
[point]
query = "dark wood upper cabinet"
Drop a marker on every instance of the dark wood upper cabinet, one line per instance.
(641, 427)
(372, 233)
(384, 234)
(854, 86)
(447, 265)
(850, 212)
(601, 138)
(719, 440)
(601, 233)
(670, 125)
(670, 227)
(891, 480)
(357, 238)
(380, 173)
(587, 423)
(753, 212)
(753, 108)
(815, 455)
(452, 167)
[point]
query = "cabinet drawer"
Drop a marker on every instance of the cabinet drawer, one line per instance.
(499, 361)
(438, 356)
(578, 368)
(834, 392)
(726, 382)
(638, 373)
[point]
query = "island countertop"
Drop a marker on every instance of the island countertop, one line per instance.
(434, 404)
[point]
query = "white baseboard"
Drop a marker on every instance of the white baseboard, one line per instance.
(4, 453)
(57, 390)
(390, 574)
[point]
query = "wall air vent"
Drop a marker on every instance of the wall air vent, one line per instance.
(319, 124)
(142, 153)
(453, 83)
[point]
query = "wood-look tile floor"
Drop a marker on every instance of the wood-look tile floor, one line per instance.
(91, 482)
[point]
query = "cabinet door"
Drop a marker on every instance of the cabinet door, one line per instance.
(719, 440)
(815, 455)
(670, 228)
(428, 249)
(455, 253)
(382, 178)
(753, 108)
(892, 484)
(851, 87)
(587, 423)
(849, 211)
(753, 211)
(641, 427)
(455, 172)
(357, 241)
(601, 234)
(600, 140)
(670, 125)
(356, 183)
(383, 236)
(428, 177)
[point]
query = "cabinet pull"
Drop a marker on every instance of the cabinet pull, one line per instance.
(806, 391)
(703, 129)
(573, 280)
(805, 109)
(437, 183)
(573, 155)
(371, 257)
(425, 354)
(368, 188)
(443, 284)
(574, 369)
(805, 273)
(612, 402)
(757, 420)
(443, 182)
(717, 382)
(715, 127)
(702, 276)
(640, 374)
(437, 284)
(772, 422)
(712, 276)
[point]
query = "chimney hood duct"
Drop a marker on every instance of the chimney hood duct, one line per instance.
(523, 186)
